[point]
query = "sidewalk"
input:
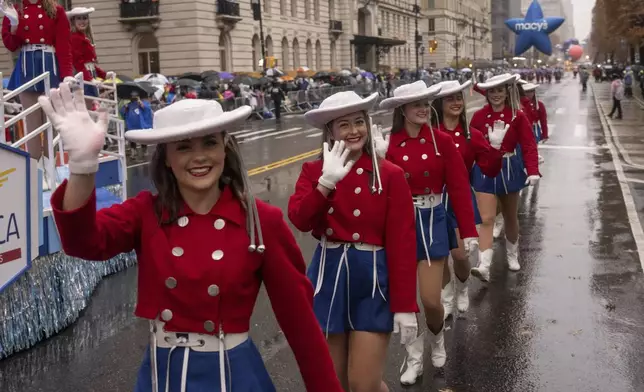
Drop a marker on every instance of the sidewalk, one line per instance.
(627, 133)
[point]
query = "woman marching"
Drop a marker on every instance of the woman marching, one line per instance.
(451, 119)
(202, 250)
(430, 161)
(521, 152)
(361, 211)
(83, 52)
(535, 110)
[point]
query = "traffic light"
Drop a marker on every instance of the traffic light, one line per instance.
(433, 45)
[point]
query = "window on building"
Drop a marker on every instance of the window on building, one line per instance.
(294, 8)
(431, 4)
(318, 55)
(309, 54)
(148, 54)
(225, 52)
(283, 7)
(284, 53)
(268, 44)
(307, 9)
(296, 53)
(316, 9)
(257, 51)
(267, 7)
(332, 9)
(67, 4)
(432, 25)
(333, 55)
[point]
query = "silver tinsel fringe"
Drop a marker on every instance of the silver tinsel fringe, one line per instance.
(49, 297)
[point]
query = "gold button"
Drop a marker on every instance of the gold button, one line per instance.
(426, 190)
(42, 40)
(166, 315)
(171, 283)
(501, 115)
(183, 221)
(356, 212)
(213, 290)
(405, 158)
(39, 16)
(331, 210)
(209, 326)
(358, 190)
(219, 224)
(457, 145)
(217, 255)
(329, 231)
(360, 170)
(177, 251)
(407, 175)
(26, 16)
(426, 174)
(403, 144)
(424, 156)
(27, 40)
(26, 27)
(458, 134)
(41, 27)
(422, 140)
(355, 236)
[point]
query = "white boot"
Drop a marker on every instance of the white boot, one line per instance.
(498, 226)
(437, 342)
(482, 271)
(414, 362)
(447, 299)
(541, 160)
(462, 295)
(512, 251)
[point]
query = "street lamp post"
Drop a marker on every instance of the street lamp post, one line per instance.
(417, 41)
(257, 15)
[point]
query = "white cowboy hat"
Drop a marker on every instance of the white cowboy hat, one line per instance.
(338, 105)
(499, 80)
(529, 86)
(78, 11)
(450, 87)
(411, 92)
(187, 119)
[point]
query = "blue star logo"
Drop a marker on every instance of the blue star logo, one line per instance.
(533, 30)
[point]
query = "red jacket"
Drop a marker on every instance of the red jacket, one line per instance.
(83, 52)
(35, 27)
(527, 106)
(198, 253)
(520, 133)
(427, 173)
(476, 150)
(543, 120)
(352, 213)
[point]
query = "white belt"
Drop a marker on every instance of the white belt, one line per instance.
(344, 261)
(37, 47)
(422, 202)
(90, 67)
(191, 341)
(427, 201)
(509, 154)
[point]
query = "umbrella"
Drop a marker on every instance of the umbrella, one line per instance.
(465, 70)
(156, 79)
(191, 76)
(274, 72)
(321, 75)
(150, 88)
(124, 78)
(226, 76)
(191, 83)
(303, 69)
(367, 75)
(244, 79)
(125, 90)
(345, 72)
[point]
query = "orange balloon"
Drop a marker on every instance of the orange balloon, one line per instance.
(575, 52)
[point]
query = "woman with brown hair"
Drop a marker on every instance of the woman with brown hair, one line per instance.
(521, 153)
(203, 252)
(431, 162)
(361, 211)
(474, 148)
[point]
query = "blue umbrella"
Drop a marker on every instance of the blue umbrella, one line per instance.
(367, 75)
(226, 76)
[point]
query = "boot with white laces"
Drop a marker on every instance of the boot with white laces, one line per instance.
(437, 343)
(498, 226)
(462, 295)
(447, 299)
(512, 251)
(482, 271)
(413, 362)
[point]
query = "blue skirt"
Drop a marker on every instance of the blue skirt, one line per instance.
(244, 366)
(432, 233)
(33, 62)
(511, 179)
(536, 131)
(452, 223)
(90, 91)
(345, 299)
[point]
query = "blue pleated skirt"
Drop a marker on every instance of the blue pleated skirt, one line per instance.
(536, 131)
(346, 299)
(33, 67)
(452, 223)
(244, 367)
(90, 91)
(511, 179)
(432, 233)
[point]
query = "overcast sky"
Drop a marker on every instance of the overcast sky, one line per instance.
(583, 16)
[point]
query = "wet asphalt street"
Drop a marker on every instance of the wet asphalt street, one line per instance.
(570, 320)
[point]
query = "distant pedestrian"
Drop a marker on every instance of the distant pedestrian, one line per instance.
(617, 92)
(277, 94)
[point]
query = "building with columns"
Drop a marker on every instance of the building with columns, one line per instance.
(503, 38)
(135, 37)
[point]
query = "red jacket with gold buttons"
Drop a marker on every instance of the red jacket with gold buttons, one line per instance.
(198, 270)
(476, 150)
(542, 115)
(83, 52)
(428, 173)
(352, 213)
(519, 133)
(36, 27)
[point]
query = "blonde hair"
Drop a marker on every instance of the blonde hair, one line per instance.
(88, 30)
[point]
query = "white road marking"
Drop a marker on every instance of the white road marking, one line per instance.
(636, 180)
(629, 202)
(580, 130)
(250, 139)
(560, 111)
(315, 134)
(581, 148)
(551, 129)
(298, 133)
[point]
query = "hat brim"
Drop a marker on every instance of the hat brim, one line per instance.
(509, 79)
(445, 92)
(190, 130)
(320, 117)
(394, 102)
(529, 87)
(86, 11)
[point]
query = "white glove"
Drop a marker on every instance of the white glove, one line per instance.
(72, 82)
(10, 13)
(497, 134)
(82, 137)
(471, 245)
(407, 325)
(382, 144)
(532, 180)
(335, 166)
(110, 75)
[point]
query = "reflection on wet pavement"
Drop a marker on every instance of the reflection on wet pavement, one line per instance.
(570, 320)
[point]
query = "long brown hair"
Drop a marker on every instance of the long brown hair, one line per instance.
(438, 118)
(48, 5)
(88, 30)
(169, 199)
(398, 122)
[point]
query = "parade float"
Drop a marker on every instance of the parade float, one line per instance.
(42, 290)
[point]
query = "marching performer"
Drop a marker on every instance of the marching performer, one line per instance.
(361, 211)
(39, 30)
(202, 250)
(451, 119)
(536, 111)
(503, 105)
(83, 52)
(431, 161)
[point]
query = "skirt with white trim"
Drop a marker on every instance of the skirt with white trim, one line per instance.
(30, 65)
(245, 369)
(536, 131)
(353, 292)
(432, 233)
(511, 179)
(452, 223)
